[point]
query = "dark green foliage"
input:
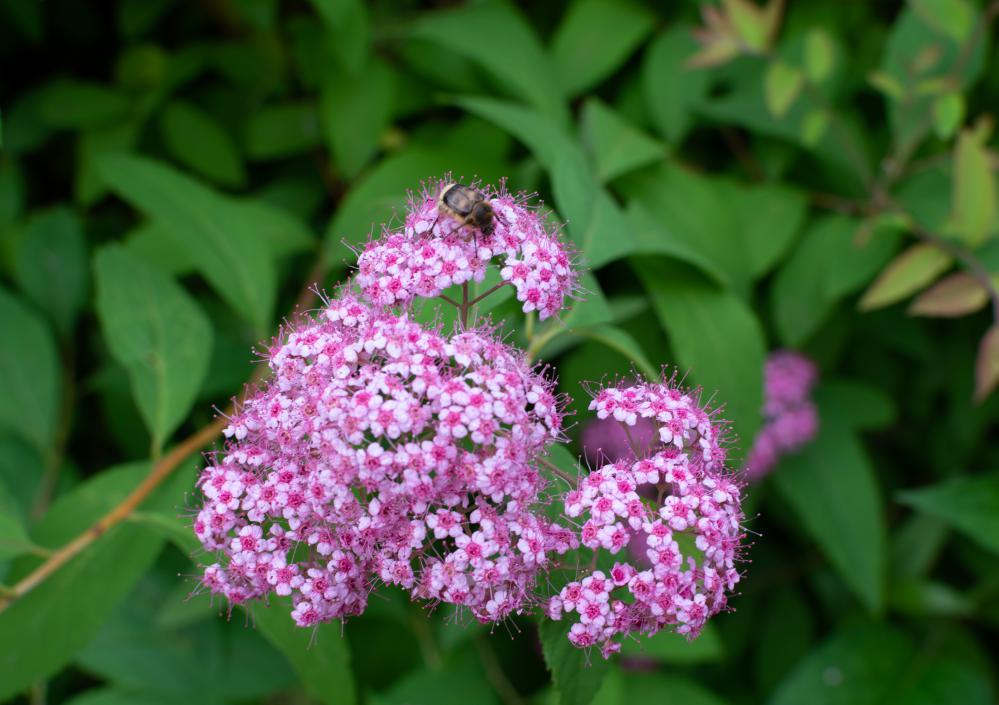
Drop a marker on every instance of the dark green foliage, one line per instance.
(172, 174)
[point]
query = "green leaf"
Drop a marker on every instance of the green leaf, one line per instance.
(948, 114)
(858, 666)
(509, 50)
(622, 342)
(673, 90)
(969, 504)
(320, 657)
(235, 260)
(786, 632)
(73, 105)
(577, 674)
(955, 18)
(782, 84)
(666, 689)
(672, 648)
(906, 274)
(278, 131)
(617, 146)
(200, 143)
(768, 217)
(14, 539)
(29, 375)
(694, 210)
(705, 324)
(855, 404)
(51, 266)
(974, 189)
(157, 333)
(831, 486)
(820, 55)
(76, 600)
(92, 145)
(348, 27)
(827, 264)
(355, 110)
(458, 681)
(594, 38)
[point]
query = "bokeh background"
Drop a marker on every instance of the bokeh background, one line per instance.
(737, 178)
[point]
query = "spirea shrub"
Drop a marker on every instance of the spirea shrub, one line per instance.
(385, 452)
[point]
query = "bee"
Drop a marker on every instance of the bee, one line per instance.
(468, 206)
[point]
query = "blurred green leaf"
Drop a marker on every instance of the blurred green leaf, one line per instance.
(906, 274)
(594, 38)
(954, 18)
(622, 342)
(355, 111)
(157, 332)
(786, 632)
(14, 539)
(694, 211)
(29, 375)
(667, 689)
(855, 404)
(969, 504)
(705, 324)
(768, 217)
(72, 105)
(974, 189)
(51, 265)
(509, 50)
(672, 648)
(576, 673)
(826, 265)
(782, 84)
(26, 15)
(858, 666)
(617, 146)
(820, 55)
(349, 31)
(199, 142)
(460, 680)
(75, 601)
(116, 696)
(948, 113)
(91, 145)
(282, 130)
(11, 191)
(673, 90)
(320, 657)
(832, 488)
(236, 261)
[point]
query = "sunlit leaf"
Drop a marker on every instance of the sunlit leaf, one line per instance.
(782, 84)
(974, 189)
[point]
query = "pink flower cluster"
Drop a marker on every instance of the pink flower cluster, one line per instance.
(433, 251)
(691, 530)
(384, 451)
(791, 419)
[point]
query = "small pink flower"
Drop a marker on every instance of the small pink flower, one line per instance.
(433, 251)
(670, 587)
(384, 451)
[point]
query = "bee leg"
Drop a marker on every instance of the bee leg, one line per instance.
(434, 225)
